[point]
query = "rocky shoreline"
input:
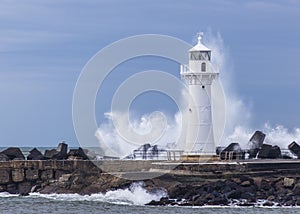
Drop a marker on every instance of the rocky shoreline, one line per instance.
(243, 191)
(273, 183)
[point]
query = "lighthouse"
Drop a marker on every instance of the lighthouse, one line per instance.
(199, 75)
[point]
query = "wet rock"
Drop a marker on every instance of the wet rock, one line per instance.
(268, 204)
(155, 203)
(13, 153)
(218, 201)
(35, 154)
(235, 194)
(24, 188)
(12, 188)
(290, 203)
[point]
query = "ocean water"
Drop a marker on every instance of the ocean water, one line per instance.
(129, 201)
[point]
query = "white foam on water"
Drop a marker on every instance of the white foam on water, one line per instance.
(7, 195)
(134, 195)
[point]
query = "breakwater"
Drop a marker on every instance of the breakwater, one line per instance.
(187, 183)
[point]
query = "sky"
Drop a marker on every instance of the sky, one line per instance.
(44, 45)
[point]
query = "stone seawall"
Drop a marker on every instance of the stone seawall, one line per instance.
(209, 183)
(21, 176)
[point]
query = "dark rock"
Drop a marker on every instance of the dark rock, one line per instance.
(232, 152)
(218, 201)
(290, 203)
(49, 154)
(62, 148)
(4, 176)
(162, 202)
(77, 154)
(32, 174)
(235, 194)
(13, 153)
(47, 174)
(12, 188)
(246, 204)
(265, 185)
(296, 189)
(295, 149)
(249, 196)
(58, 154)
(232, 185)
(255, 143)
(269, 151)
(271, 198)
(4, 157)
(24, 188)
(155, 203)
(268, 204)
(298, 201)
(35, 154)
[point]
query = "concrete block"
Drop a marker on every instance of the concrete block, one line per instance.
(47, 174)
(17, 175)
(4, 176)
(32, 174)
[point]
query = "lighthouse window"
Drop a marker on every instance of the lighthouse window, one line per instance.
(200, 55)
(203, 67)
(195, 55)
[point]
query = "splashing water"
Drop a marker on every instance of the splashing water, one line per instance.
(238, 114)
(134, 195)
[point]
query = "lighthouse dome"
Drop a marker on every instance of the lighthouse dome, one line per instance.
(199, 46)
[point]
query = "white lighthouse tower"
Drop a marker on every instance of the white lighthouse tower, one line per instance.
(199, 75)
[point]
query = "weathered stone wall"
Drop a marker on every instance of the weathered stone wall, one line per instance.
(20, 176)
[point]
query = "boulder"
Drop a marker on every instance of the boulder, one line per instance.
(4, 176)
(295, 149)
(13, 153)
(35, 154)
(49, 154)
(77, 154)
(58, 154)
(62, 148)
(231, 152)
(12, 188)
(255, 143)
(269, 152)
(4, 157)
(288, 182)
(24, 188)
